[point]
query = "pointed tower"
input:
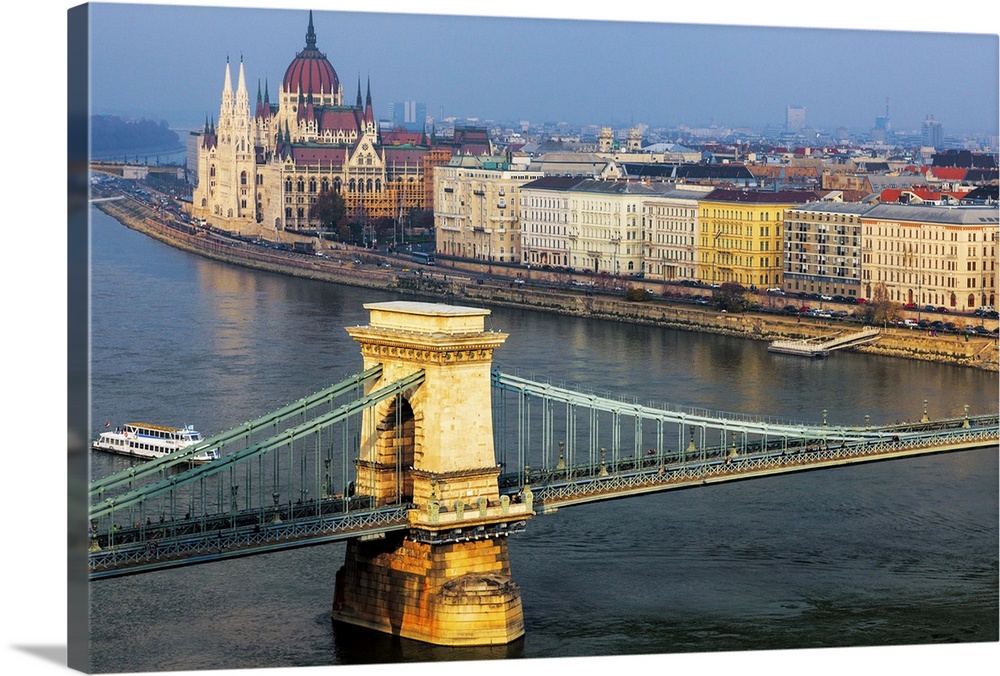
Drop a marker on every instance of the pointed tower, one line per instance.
(369, 119)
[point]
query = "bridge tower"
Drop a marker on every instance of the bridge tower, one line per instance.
(447, 581)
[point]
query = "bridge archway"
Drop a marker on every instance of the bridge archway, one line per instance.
(384, 469)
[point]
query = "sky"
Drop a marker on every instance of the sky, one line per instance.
(685, 68)
(173, 65)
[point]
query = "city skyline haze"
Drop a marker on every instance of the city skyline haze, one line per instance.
(576, 71)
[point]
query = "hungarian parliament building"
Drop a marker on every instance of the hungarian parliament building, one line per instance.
(261, 166)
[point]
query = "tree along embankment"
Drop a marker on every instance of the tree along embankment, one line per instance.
(342, 267)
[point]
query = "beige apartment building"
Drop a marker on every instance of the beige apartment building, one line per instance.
(670, 234)
(931, 255)
(823, 249)
(476, 208)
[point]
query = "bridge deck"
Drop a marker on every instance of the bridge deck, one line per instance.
(147, 547)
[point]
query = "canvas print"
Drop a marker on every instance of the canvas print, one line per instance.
(433, 339)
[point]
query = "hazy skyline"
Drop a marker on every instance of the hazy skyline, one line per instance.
(171, 59)
(35, 364)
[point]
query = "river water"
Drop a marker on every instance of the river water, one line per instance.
(892, 553)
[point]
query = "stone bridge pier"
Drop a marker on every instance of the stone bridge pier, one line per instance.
(446, 581)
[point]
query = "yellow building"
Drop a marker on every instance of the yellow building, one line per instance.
(932, 255)
(741, 235)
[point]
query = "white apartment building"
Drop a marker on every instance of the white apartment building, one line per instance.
(670, 228)
(584, 224)
(476, 208)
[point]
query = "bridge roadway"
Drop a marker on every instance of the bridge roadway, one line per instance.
(149, 546)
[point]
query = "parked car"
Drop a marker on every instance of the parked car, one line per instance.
(943, 310)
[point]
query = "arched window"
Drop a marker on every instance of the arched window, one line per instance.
(972, 300)
(243, 178)
(312, 185)
(378, 185)
(300, 185)
(368, 186)
(324, 185)
(288, 185)
(211, 171)
(336, 184)
(351, 186)
(288, 212)
(361, 186)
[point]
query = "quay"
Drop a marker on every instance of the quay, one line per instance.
(451, 284)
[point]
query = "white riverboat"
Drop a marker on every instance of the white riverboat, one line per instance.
(148, 442)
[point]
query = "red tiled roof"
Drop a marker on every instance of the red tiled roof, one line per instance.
(893, 194)
(400, 156)
(948, 173)
(317, 155)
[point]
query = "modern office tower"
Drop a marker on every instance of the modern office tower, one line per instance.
(932, 133)
(795, 119)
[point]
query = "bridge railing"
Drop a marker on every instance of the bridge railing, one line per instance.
(293, 469)
(240, 437)
(176, 545)
(580, 484)
(541, 427)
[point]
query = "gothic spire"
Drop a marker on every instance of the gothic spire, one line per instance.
(311, 33)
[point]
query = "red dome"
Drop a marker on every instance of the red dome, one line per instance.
(310, 72)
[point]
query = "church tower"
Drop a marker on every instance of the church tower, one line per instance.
(227, 160)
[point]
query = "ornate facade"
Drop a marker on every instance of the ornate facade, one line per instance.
(261, 170)
(477, 208)
(931, 255)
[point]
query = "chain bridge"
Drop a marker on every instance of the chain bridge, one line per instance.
(427, 460)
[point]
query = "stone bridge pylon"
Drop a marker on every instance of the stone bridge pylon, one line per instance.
(447, 580)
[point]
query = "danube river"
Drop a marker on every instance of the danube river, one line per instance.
(890, 553)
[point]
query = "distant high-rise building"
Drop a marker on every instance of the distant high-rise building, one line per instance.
(795, 119)
(409, 115)
(932, 134)
(883, 128)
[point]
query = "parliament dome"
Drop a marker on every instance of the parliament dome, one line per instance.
(310, 73)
